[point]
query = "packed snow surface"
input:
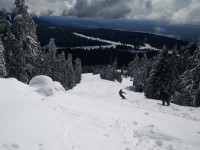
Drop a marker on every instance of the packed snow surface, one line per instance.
(91, 116)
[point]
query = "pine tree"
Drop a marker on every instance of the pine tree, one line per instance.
(77, 69)
(141, 73)
(70, 72)
(12, 55)
(196, 57)
(158, 84)
(24, 30)
(110, 73)
(133, 67)
(110, 70)
(175, 64)
(5, 24)
(3, 72)
(51, 60)
(186, 62)
(188, 85)
(63, 68)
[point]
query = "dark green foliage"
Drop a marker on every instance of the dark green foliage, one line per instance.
(158, 84)
(139, 71)
(59, 69)
(188, 85)
(70, 72)
(133, 67)
(140, 77)
(66, 38)
(174, 75)
(187, 91)
(20, 43)
(77, 69)
(111, 73)
(64, 74)
(3, 72)
(21, 56)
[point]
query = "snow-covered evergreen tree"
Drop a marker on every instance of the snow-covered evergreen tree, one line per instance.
(110, 72)
(186, 62)
(133, 67)
(196, 57)
(140, 74)
(175, 64)
(64, 71)
(23, 56)
(30, 27)
(12, 55)
(70, 72)
(51, 59)
(3, 72)
(158, 84)
(5, 24)
(77, 69)
(59, 69)
(188, 85)
(24, 30)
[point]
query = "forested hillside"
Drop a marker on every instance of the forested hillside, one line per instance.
(64, 37)
(98, 53)
(171, 75)
(21, 56)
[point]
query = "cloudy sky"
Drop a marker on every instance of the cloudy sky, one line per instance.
(173, 11)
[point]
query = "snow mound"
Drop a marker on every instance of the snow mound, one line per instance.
(45, 86)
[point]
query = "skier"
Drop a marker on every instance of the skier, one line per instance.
(120, 94)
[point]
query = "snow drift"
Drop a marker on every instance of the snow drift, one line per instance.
(45, 86)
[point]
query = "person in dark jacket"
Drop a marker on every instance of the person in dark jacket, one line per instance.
(165, 98)
(121, 94)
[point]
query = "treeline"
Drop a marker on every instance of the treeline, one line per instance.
(137, 38)
(171, 75)
(63, 36)
(104, 56)
(108, 72)
(21, 56)
(60, 67)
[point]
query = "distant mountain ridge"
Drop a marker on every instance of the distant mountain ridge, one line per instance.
(185, 32)
(65, 37)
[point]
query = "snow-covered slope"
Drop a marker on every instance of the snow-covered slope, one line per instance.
(111, 43)
(92, 116)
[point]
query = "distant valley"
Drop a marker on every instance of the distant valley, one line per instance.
(101, 45)
(189, 33)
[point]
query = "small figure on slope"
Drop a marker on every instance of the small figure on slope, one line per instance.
(120, 94)
(165, 98)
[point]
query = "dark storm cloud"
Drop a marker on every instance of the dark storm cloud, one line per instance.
(103, 8)
(148, 4)
(174, 11)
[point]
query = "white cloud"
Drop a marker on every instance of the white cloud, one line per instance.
(169, 10)
(189, 14)
(159, 29)
(174, 11)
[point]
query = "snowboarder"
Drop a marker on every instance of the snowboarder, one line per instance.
(120, 94)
